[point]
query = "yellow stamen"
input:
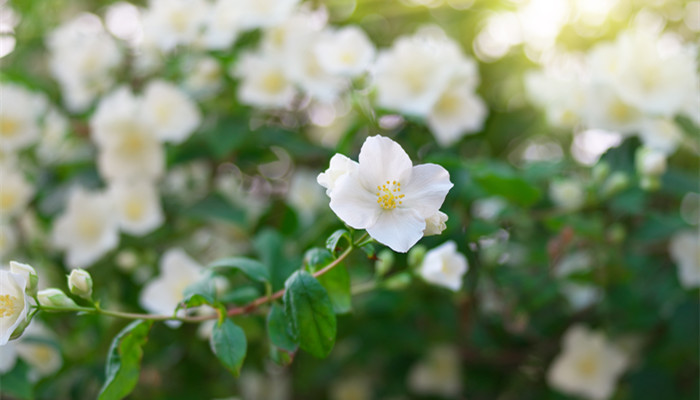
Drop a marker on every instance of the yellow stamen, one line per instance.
(387, 196)
(8, 305)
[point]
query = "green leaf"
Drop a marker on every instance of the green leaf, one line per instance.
(16, 383)
(336, 281)
(253, 269)
(513, 188)
(204, 288)
(334, 238)
(228, 342)
(310, 309)
(278, 329)
(215, 207)
(269, 245)
(124, 360)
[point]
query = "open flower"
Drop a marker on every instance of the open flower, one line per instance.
(588, 366)
(137, 206)
(18, 117)
(14, 303)
(444, 266)
(170, 113)
(387, 195)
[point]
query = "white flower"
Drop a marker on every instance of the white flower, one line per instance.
(129, 147)
(170, 113)
(357, 387)
(438, 374)
(559, 92)
(8, 357)
(81, 58)
(444, 266)
(661, 134)
(388, 196)
(162, 294)
(222, 25)
(650, 162)
(28, 272)
(14, 303)
(589, 365)
(457, 112)
(87, 229)
(169, 23)
(435, 224)
(412, 75)
(580, 295)
(339, 166)
(15, 191)
(19, 116)
(685, 252)
(204, 77)
(264, 13)
(38, 348)
(137, 206)
(567, 194)
(305, 195)
(347, 51)
(80, 283)
(264, 82)
(605, 109)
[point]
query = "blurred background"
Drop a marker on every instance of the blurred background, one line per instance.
(570, 128)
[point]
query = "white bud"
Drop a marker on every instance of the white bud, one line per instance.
(567, 194)
(650, 162)
(29, 274)
(54, 298)
(80, 283)
(435, 224)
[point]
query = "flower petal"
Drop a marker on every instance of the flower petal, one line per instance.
(426, 190)
(399, 229)
(382, 159)
(352, 203)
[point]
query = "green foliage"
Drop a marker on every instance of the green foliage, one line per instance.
(124, 361)
(228, 342)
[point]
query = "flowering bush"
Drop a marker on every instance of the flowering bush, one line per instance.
(511, 199)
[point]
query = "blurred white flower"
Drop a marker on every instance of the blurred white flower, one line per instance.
(339, 166)
(222, 24)
(15, 191)
(204, 77)
(388, 196)
(605, 109)
(435, 224)
(661, 134)
(19, 115)
(8, 357)
(685, 252)
(54, 147)
(356, 387)
(137, 206)
(305, 195)
(169, 23)
(438, 374)
(444, 266)
(87, 229)
(559, 92)
(589, 364)
(129, 147)
(411, 76)
(8, 240)
(264, 82)
(580, 295)
(82, 56)
(264, 13)
(169, 112)
(38, 348)
(457, 112)
(346, 51)
(14, 303)
(162, 294)
(488, 208)
(650, 162)
(568, 194)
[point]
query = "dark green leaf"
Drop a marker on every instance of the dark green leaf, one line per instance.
(16, 383)
(311, 312)
(253, 269)
(278, 329)
(336, 281)
(228, 342)
(269, 245)
(124, 360)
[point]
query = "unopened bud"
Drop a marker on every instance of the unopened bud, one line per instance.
(415, 256)
(54, 298)
(385, 260)
(29, 274)
(80, 283)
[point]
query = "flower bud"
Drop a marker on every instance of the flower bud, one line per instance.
(650, 162)
(385, 260)
(616, 183)
(80, 283)
(415, 256)
(29, 274)
(55, 298)
(435, 224)
(19, 330)
(398, 281)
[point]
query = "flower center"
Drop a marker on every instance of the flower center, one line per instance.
(8, 127)
(587, 366)
(134, 209)
(388, 195)
(8, 305)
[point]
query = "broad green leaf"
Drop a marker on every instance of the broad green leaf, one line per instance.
(334, 238)
(16, 383)
(253, 269)
(336, 281)
(310, 309)
(204, 288)
(124, 360)
(228, 342)
(269, 245)
(278, 329)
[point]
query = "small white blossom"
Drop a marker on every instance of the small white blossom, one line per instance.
(137, 205)
(457, 112)
(87, 229)
(80, 283)
(264, 82)
(162, 294)
(15, 191)
(347, 51)
(661, 134)
(19, 115)
(650, 162)
(170, 113)
(28, 273)
(685, 252)
(222, 24)
(339, 166)
(14, 303)
(589, 364)
(567, 194)
(38, 348)
(435, 224)
(438, 374)
(387, 195)
(169, 23)
(444, 266)
(264, 13)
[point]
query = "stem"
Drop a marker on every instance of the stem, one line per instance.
(200, 318)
